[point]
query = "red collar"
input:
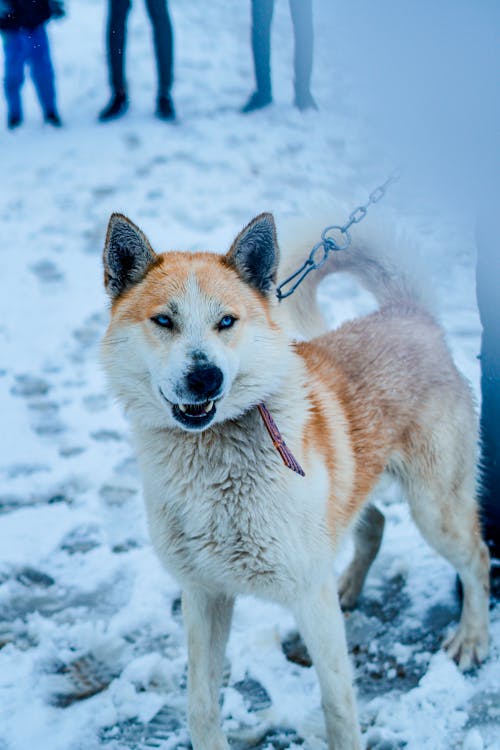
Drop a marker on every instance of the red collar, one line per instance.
(278, 442)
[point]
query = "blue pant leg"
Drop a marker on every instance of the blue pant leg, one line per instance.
(302, 18)
(164, 43)
(14, 71)
(42, 71)
(262, 15)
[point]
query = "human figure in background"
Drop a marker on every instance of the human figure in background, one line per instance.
(262, 13)
(116, 42)
(22, 23)
(488, 289)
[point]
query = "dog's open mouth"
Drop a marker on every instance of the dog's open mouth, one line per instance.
(194, 416)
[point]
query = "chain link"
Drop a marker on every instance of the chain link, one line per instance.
(333, 238)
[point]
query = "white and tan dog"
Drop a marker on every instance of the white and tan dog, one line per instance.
(196, 342)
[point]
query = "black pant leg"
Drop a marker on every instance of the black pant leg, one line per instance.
(117, 18)
(490, 475)
(488, 294)
(163, 43)
(301, 11)
(262, 14)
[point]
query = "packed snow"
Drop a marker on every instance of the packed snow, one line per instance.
(92, 649)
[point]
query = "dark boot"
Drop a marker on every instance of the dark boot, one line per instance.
(304, 100)
(13, 121)
(165, 108)
(116, 107)
(258, 100)
(52, 118)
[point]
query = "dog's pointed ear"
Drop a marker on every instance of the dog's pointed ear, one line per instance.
(255, 253)
(127, 255)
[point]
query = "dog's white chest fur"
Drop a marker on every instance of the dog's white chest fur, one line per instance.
(224, 512)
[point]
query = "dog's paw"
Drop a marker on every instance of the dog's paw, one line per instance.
(467, 648)
(349, 587)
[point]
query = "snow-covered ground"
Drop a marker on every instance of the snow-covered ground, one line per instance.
(92, 652)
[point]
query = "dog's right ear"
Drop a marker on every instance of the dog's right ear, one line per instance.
(127, 255)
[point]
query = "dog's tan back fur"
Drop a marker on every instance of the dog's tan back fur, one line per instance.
(393, 377)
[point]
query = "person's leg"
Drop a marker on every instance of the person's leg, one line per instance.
(301, 11)
(116, 41)
(42, 72)
(490, 441)
(488, 284)
(262, 14)
(118, 11)
(163, 44)
(14, 75)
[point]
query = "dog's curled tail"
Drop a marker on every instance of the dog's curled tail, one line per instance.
(385, 260)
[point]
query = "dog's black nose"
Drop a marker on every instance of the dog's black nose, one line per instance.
(205, 381)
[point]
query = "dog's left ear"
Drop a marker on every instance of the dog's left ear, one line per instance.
(255, 253)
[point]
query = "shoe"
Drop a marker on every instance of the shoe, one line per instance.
(165, 108)
(13, 121)
(116, 107)
(52, 118)
(305, 101)
(258, 100)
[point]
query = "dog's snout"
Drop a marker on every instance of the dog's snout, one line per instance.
(205, 381)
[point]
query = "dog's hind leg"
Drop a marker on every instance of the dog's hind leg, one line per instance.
(321, 625)
(207, 619)
(367, 540)
(447, 516)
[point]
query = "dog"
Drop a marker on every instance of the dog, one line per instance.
(198, 351)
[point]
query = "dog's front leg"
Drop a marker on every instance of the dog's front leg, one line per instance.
(321, 625)
(207, 618)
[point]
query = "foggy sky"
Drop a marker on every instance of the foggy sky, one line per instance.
(425, 76)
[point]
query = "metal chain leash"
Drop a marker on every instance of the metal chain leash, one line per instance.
(333, 238)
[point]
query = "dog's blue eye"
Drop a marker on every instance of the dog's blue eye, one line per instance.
(162, 320)
(226, 322)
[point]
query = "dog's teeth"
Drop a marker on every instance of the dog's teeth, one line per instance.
(182, 407)
(208, 407)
